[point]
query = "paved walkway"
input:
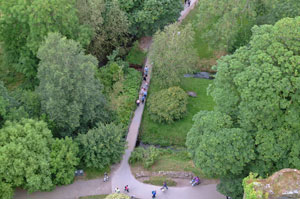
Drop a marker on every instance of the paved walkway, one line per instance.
(122, 175)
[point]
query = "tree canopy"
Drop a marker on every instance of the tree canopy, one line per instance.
(29, 157)
(257, 87)
(148, 16)
(102, 146)
(25, 24)
(172, 54)
(70, 94)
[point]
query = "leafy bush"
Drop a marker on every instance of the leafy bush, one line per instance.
(167, 105)
(146, 156)
(117, 196)
(136, 55)
(101, 146)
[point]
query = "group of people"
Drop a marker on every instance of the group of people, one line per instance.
(187, 2)
(143, 93)
(126, 189)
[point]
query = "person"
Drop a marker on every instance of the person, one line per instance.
(153, 194)
(126, 188)
(117, 190)
(105, 177)
(165, 185)
(196, 182)
(189, 3)
(146, 71)
(145, 78)
(143, 99)
(145, 93)
(138, 102)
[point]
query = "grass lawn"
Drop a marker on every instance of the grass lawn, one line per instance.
(159, 180)
(175, 133)
(95, 173)
(94, 197)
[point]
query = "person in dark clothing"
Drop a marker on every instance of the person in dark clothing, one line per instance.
(189, 2)
(165, 185)
(126, 188)
(153, 194)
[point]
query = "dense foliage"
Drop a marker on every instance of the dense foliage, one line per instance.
(146, 156)
(172, 54)
(29, 157)
(167, 105)
(255, 89)
(70, 94)
(24, 24)
(148, 16)
(109, 24)
(226, 25)
(101, 146)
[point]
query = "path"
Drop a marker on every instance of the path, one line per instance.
(122, 175)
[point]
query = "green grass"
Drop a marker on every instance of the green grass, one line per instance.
(94, 197)
(159, 180)
(91, 173)
(175, 133)
(136, 56)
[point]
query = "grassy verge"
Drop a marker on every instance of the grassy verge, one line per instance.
(175, 133)
(91, 173)
(136, 56)
(94, 197)
(159, 180)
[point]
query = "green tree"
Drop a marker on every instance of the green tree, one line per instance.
(172, 54)
(168, 105)
(148, 16)
(64, 160)
(109, 24)
(257, 88)
(28, 139)
(101, 146)
(25, 24)
(30, 158)
(70, 94)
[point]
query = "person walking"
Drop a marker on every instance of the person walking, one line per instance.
(153, 194)
(126, 188)
(146, 71)
(189, 3)
(117, 190)
(165, 185)
(138, 102)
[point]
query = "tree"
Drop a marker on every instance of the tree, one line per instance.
(101, 146)
(70, 94)
(172, 54)
(257, 88)
(63, 160)
(25, 24)
(148, 16)
(168, 105)
(28, 139)
(216, 147)
(109, 24)
(30, 158)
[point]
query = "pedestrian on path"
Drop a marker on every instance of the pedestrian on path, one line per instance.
(153, 194)
(146, 70)
(117, 190)
(189, 3)
(143, 99)
(145, 78)
(138, 102)
(126, 188)
(165, 185)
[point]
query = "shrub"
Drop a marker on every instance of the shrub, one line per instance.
(136, 56)
(101, 146)
(146, 156)
(117, 196)
(167, 105)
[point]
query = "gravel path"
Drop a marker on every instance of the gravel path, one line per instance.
(122, 175)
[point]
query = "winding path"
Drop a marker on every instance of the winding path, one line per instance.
(122, 175)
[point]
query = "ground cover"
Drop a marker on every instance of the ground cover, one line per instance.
(175, 133)
(90, 173)
(159, 180)
(94, 197)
